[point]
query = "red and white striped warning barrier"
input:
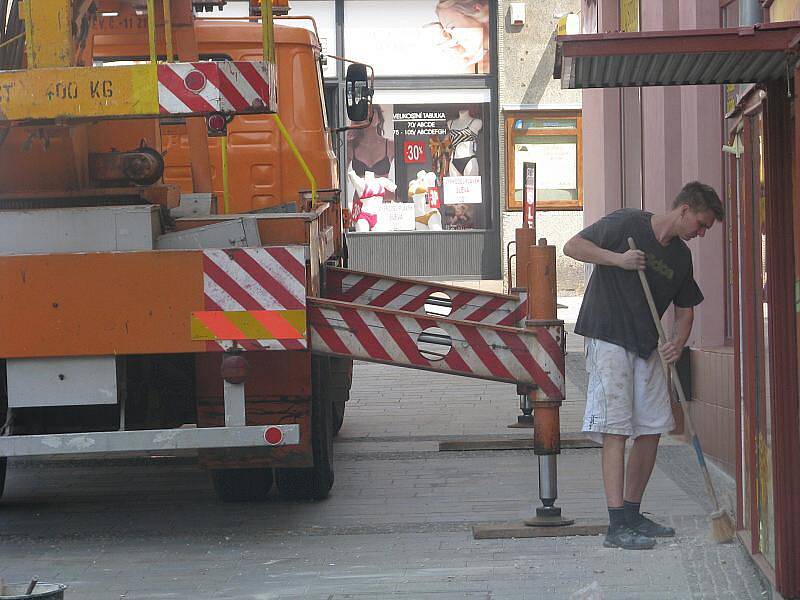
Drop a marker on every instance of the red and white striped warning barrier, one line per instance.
(216, 86)
(253, 290)
(413, 295)
(527, 356)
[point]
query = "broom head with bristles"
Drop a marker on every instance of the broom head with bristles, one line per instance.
(722, 528)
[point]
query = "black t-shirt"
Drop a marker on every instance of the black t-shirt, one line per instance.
(614, 307)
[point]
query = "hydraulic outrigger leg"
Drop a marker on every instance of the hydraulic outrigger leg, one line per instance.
(546, 422)
(525, 237)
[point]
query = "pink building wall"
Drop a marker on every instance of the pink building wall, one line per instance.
(701, 109)
(681, 142)
(602, 135)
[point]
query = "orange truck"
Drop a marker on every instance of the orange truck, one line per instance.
(79, 191)
(173, 251)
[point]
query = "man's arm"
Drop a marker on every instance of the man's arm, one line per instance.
(672, 349)
(583, 250)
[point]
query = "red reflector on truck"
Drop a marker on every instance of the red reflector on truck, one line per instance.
(195, 81)
(273, 436)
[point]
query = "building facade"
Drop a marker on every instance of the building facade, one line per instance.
(542, 124)
(660, 127)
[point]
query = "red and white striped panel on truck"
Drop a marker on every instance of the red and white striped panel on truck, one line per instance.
(216, 86)
(528, 356)
(412, 295)
(255, 297)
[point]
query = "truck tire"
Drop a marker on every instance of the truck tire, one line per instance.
(242, 485)
(314, 483)
(341, 379)
(338, 416)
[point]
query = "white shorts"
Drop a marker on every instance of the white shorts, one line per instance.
(626, 394)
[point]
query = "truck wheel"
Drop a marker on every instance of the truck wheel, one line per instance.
(313, 483)
(242, 485)
(341, 379)
(338, 416)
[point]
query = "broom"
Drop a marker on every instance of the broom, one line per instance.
(722, 528)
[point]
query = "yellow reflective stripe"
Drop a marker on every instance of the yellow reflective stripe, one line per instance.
(297, 319)
(200, 331)
(248, 325)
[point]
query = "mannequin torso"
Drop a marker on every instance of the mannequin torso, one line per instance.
(463, 131)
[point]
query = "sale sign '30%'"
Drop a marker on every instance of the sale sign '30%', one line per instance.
(414, 152)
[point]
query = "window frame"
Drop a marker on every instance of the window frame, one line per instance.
(512, 204)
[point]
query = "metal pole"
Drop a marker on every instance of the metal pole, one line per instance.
(546, 418)
(267, 31)
(226, 200)
(548, 479)
(525, 420)
(151, 30)
(168, 30)
(750, 12)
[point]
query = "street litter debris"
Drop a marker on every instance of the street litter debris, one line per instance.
(593, 591)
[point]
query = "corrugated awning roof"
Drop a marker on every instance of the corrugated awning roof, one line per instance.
(688, 57)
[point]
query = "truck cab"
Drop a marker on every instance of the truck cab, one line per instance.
(262, 171)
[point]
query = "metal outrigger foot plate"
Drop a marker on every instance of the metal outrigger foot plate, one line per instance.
(518, 529)
(568, 441)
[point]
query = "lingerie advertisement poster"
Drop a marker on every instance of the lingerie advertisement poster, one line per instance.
(419, 37)
(419, 168)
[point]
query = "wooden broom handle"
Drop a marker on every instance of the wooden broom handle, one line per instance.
(660, 328)
(676, 382)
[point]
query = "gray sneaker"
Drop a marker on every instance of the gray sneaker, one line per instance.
(627, 538)
(650, 528)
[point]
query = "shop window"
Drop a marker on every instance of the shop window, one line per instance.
(629, 15)
(420, 167)
(782, 10)
(552, 140)
(730, 13)
(419, 37)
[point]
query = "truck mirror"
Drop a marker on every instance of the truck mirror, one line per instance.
(358, 93)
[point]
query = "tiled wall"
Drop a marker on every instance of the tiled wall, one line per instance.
(712, 404)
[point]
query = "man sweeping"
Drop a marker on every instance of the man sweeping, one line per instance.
(627, 395)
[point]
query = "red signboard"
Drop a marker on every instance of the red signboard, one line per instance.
(414, 152)
(434, 199)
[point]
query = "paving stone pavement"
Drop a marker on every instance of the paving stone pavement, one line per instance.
(397, 525)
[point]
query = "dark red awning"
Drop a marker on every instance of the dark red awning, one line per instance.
(688, 57)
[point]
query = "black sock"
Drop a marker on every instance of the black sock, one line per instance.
(632, 514)
(616, 518)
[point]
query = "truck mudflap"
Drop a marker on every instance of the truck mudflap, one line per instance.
(531, 356)
(412, 295)
(145, 441)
